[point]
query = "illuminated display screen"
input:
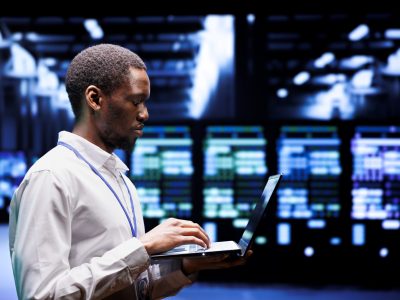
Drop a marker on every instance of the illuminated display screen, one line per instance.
(12, 170)
(161, 169)
(234, 172)
(309, 158)
(376, 181)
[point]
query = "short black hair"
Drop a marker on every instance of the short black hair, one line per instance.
(105, 66)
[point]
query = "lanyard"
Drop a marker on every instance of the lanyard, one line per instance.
(109, 186)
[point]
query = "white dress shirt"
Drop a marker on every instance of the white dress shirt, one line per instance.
(70, 238)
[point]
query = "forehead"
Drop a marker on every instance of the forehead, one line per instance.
(138, 82)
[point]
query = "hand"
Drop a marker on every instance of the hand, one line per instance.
(196, 264)
(173, 233)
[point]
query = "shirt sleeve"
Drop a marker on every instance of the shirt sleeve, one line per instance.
(167, 278)
(41, 242)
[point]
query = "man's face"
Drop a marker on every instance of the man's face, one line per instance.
(125, 112)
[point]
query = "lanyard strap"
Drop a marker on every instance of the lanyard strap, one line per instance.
(109, 186)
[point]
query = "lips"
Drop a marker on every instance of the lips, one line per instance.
(139, 130)
(138, 133)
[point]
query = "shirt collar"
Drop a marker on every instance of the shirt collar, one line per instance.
(94, 154)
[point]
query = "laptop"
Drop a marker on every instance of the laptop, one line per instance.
(230, 247)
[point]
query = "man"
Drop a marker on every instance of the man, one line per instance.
(76, 226)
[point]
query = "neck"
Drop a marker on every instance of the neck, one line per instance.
(88, 133)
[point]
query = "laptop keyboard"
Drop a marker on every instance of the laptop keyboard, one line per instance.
(189, 247)
(195, 248)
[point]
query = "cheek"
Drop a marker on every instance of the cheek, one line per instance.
(122, 115)
(128, 116)
(131, 114)
(118, 115)
(126, 120)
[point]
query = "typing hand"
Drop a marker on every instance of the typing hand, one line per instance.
(172, 233)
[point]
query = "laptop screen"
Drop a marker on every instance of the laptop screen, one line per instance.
(258, 212)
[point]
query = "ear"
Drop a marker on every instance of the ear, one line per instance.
(93, 97)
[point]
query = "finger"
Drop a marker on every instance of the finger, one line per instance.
(172, 221)
(190, 224)
(180, 223)
(231, 264)
(238, 262)
(183, 223)
(190, 239)
(217, 258)
(196, 233)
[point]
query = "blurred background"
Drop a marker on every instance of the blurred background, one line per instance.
(238, 93)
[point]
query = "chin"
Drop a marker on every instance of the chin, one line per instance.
(128, 144)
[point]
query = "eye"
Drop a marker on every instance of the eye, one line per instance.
(137, 102)
(137, 99)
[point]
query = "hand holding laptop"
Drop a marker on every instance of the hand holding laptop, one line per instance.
(195, 264)
(232, 248)
(173, 233)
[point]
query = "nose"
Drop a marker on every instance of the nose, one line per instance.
(143, 114)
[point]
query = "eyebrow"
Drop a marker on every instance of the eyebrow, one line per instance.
(140, 97)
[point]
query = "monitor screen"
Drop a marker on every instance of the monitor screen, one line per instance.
(162, 169)
(234, 174)
(308, 200)
(258, 212)
(375, 191)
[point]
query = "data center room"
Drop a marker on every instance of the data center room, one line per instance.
(238, 94)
